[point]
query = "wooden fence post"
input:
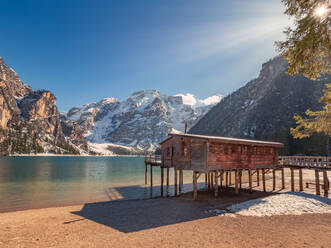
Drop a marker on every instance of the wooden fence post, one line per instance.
(317, 182)
(292, 179)
(263, 180)
(300, 180)
(326, 183)
(283, 178)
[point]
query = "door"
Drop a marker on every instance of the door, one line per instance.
(198, 155)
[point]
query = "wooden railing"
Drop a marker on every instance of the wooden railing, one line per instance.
(153, 158)
(305, 161)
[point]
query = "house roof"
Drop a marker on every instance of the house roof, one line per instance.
(227, 140)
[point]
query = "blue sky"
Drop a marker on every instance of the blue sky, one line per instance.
(84, 51)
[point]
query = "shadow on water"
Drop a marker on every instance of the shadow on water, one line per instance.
(128, 215)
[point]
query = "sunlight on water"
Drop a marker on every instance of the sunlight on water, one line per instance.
(34, 182)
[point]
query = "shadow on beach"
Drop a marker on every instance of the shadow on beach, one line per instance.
(128, 215)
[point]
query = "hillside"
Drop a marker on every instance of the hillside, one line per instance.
(264, 109)
(30, 121)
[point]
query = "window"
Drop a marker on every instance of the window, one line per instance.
(254, 150)
(184, 149)
(245, 149)
(239, 149)
(232, 150)
(221, 149)
(211, 148)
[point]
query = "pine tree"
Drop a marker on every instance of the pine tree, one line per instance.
(308, 51)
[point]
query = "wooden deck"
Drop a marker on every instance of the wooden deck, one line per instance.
(215, 179)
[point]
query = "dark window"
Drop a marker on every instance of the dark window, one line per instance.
(221, 149)
(245, 149)
(254, 150)
(211, 148)
(239, 149)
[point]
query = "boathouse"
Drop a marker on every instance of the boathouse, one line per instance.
(204, 153)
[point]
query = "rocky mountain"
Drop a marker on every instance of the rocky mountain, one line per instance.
(138, 123)
(264, 109)
(30, 121)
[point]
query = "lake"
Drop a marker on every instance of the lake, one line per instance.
(38, 182)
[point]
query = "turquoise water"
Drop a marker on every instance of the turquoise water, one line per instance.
(36, 182)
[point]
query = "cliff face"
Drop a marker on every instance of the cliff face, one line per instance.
(30, 121)
(264, 108)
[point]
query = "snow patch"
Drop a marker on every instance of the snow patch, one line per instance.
(291, 203)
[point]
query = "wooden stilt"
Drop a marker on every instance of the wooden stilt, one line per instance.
(300, 180)
(151, 172)
(250, 180)
(162, 175)
(195, 186)
(175, 181)
(326, 183)
(292, 179)
(258, 177)
(212, 181)
(167, 177)
(180, 181)
(146, 173)
(216, 183)
(240, 176)
(263, 180)
(236, 181)
(206, 180)
(317, 182)
(283, 179)
(273, 179)
(227, 179)
(230, 180)
(221, 178)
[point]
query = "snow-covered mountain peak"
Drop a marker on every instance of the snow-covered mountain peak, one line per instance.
(142, 120)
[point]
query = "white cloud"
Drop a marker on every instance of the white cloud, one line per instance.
(211, 100)
(188, 99)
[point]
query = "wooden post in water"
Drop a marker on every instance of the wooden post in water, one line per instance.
(167, 177)
(258, 177)
(317, 182)
(300, 180)
(208, 179)
(162, 175)
(283, 178)
(273, 179)
(151, 179)
(236, 181)
(292, 179)
(326, 183)
(195, 186)
(146, 173)
(175, 181)
(221, 178)
(216, 183)
(250, 180)
(180, 181)
(226, 179)
(230, 180)
(263, 180)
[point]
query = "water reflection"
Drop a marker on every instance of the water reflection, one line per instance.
(31, 182)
